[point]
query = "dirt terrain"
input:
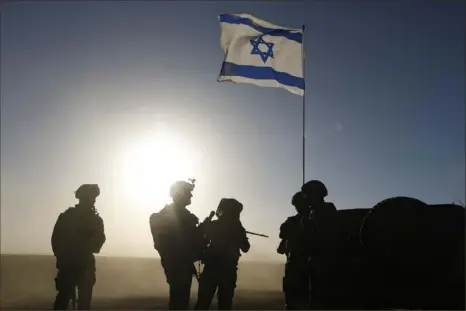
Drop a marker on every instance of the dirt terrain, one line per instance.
(27, 283)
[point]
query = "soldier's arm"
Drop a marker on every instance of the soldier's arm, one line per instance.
(285, 229)
(282, 233)
(244, 241)
(245, 245)
(282, 249)
(99, 237)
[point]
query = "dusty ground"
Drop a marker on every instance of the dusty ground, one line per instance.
(27, 283)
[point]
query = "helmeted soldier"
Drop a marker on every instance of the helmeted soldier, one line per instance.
(77, 235)
(294, 245)
(227, 238)
(323, 238)
(179, 242)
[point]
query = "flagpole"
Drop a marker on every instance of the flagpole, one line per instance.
(304, 107)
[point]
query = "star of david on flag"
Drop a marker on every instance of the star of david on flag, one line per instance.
(261, 53)
(257, 51)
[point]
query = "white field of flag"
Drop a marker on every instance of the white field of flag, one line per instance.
(261, 53)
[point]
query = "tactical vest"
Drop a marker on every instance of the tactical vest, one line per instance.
(78, 233)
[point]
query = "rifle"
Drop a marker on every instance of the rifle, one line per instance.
(197, 272)
(208, 219)
(258, 234)
(212, 214)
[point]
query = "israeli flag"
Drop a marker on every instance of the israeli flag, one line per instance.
(261, 53)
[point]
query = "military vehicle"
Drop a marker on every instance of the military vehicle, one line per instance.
(400, 254)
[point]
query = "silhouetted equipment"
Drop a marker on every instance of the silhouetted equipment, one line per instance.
(420, 246)
(230, 206)
(212, 214)
(350, 289)
(258, 234)
(209, 218)
(402, 253)
(202, 228)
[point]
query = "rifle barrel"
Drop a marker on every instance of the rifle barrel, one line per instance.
(258, 234)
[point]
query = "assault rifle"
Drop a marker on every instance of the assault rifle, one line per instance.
(212, 214)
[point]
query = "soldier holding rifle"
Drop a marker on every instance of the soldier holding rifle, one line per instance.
(226, 239)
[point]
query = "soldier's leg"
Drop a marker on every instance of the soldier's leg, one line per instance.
(207, 288)
(226, 288)
(65, 283)
(180, 294)
(291, 301)
(180, 282)
(303, 291)
(323, 280)
(85, 287)
(296, 288)
(316, 281)
(316, 296)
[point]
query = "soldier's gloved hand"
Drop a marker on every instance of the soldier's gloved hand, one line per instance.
(282, 247)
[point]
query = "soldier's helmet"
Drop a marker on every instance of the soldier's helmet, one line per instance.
(229, 207)
(180, 188)
(298, 199)
(314, 188)
(87, 191)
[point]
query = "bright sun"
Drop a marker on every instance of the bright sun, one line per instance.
(152, 164)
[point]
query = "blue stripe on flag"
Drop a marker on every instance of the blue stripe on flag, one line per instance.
(233, 19)
(261, 73)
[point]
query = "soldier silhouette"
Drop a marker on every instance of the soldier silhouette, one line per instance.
(323, 238)
(294, 245)
(77, 235)
(226, 237)
(179, 242)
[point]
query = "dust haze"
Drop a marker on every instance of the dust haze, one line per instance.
(27, 283)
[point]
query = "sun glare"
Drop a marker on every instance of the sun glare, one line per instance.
(151, 165)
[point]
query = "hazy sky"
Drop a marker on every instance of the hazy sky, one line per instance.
(81, 83)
